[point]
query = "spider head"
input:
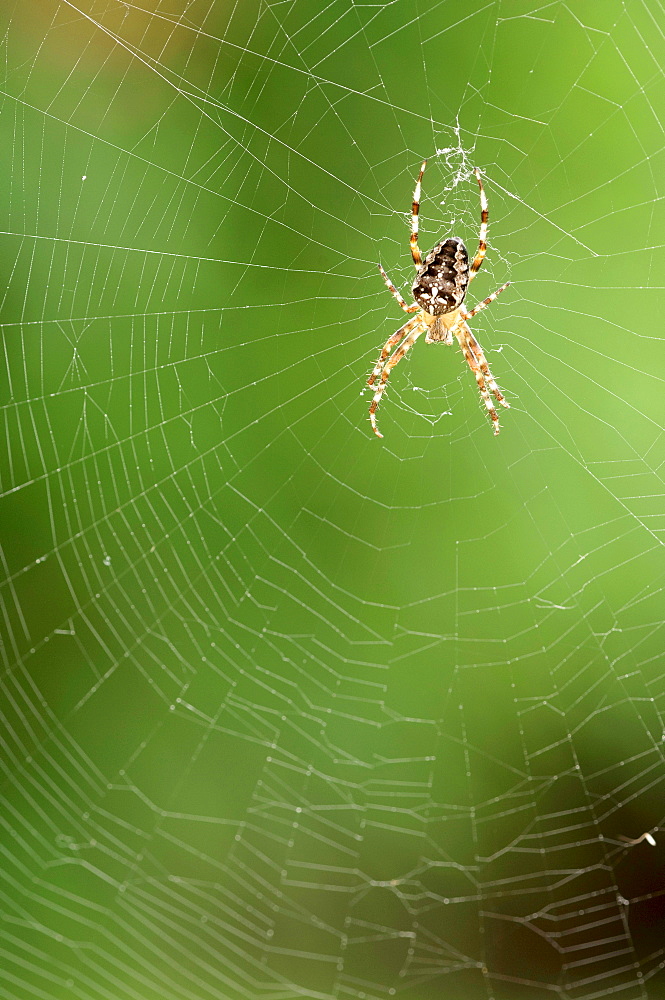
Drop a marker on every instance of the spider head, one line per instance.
(441, 282)
(440, 328)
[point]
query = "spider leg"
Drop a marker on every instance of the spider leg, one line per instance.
(485, 302)
(415, 207)
(407, 309)
(406, 344)
(482, 236)
(477, 351)
(475, 359)
(388, 346)
(487, 399)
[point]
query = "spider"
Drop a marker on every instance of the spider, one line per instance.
(439, 290)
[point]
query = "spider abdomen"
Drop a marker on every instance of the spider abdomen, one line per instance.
(441, 282)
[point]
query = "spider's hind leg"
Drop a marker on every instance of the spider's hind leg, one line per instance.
(415, 208)
(482, 234)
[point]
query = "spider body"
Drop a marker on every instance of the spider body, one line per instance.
(439, 290)
(443, 279)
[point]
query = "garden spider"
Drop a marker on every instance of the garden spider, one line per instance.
(441, 284)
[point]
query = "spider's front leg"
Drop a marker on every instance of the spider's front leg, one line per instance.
(480, 381)
(406, 344)
(477, 351)
(388, 346)
(477, 362)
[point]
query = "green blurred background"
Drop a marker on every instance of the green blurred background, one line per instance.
(289, 711)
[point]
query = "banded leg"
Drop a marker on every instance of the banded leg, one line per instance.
(485, 302)
(415, 207)
(403, 305)
(482, 236)
(477, 351)
(406, 344)
(388, 346)
(472, 362)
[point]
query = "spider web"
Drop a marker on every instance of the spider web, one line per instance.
(288, 711)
